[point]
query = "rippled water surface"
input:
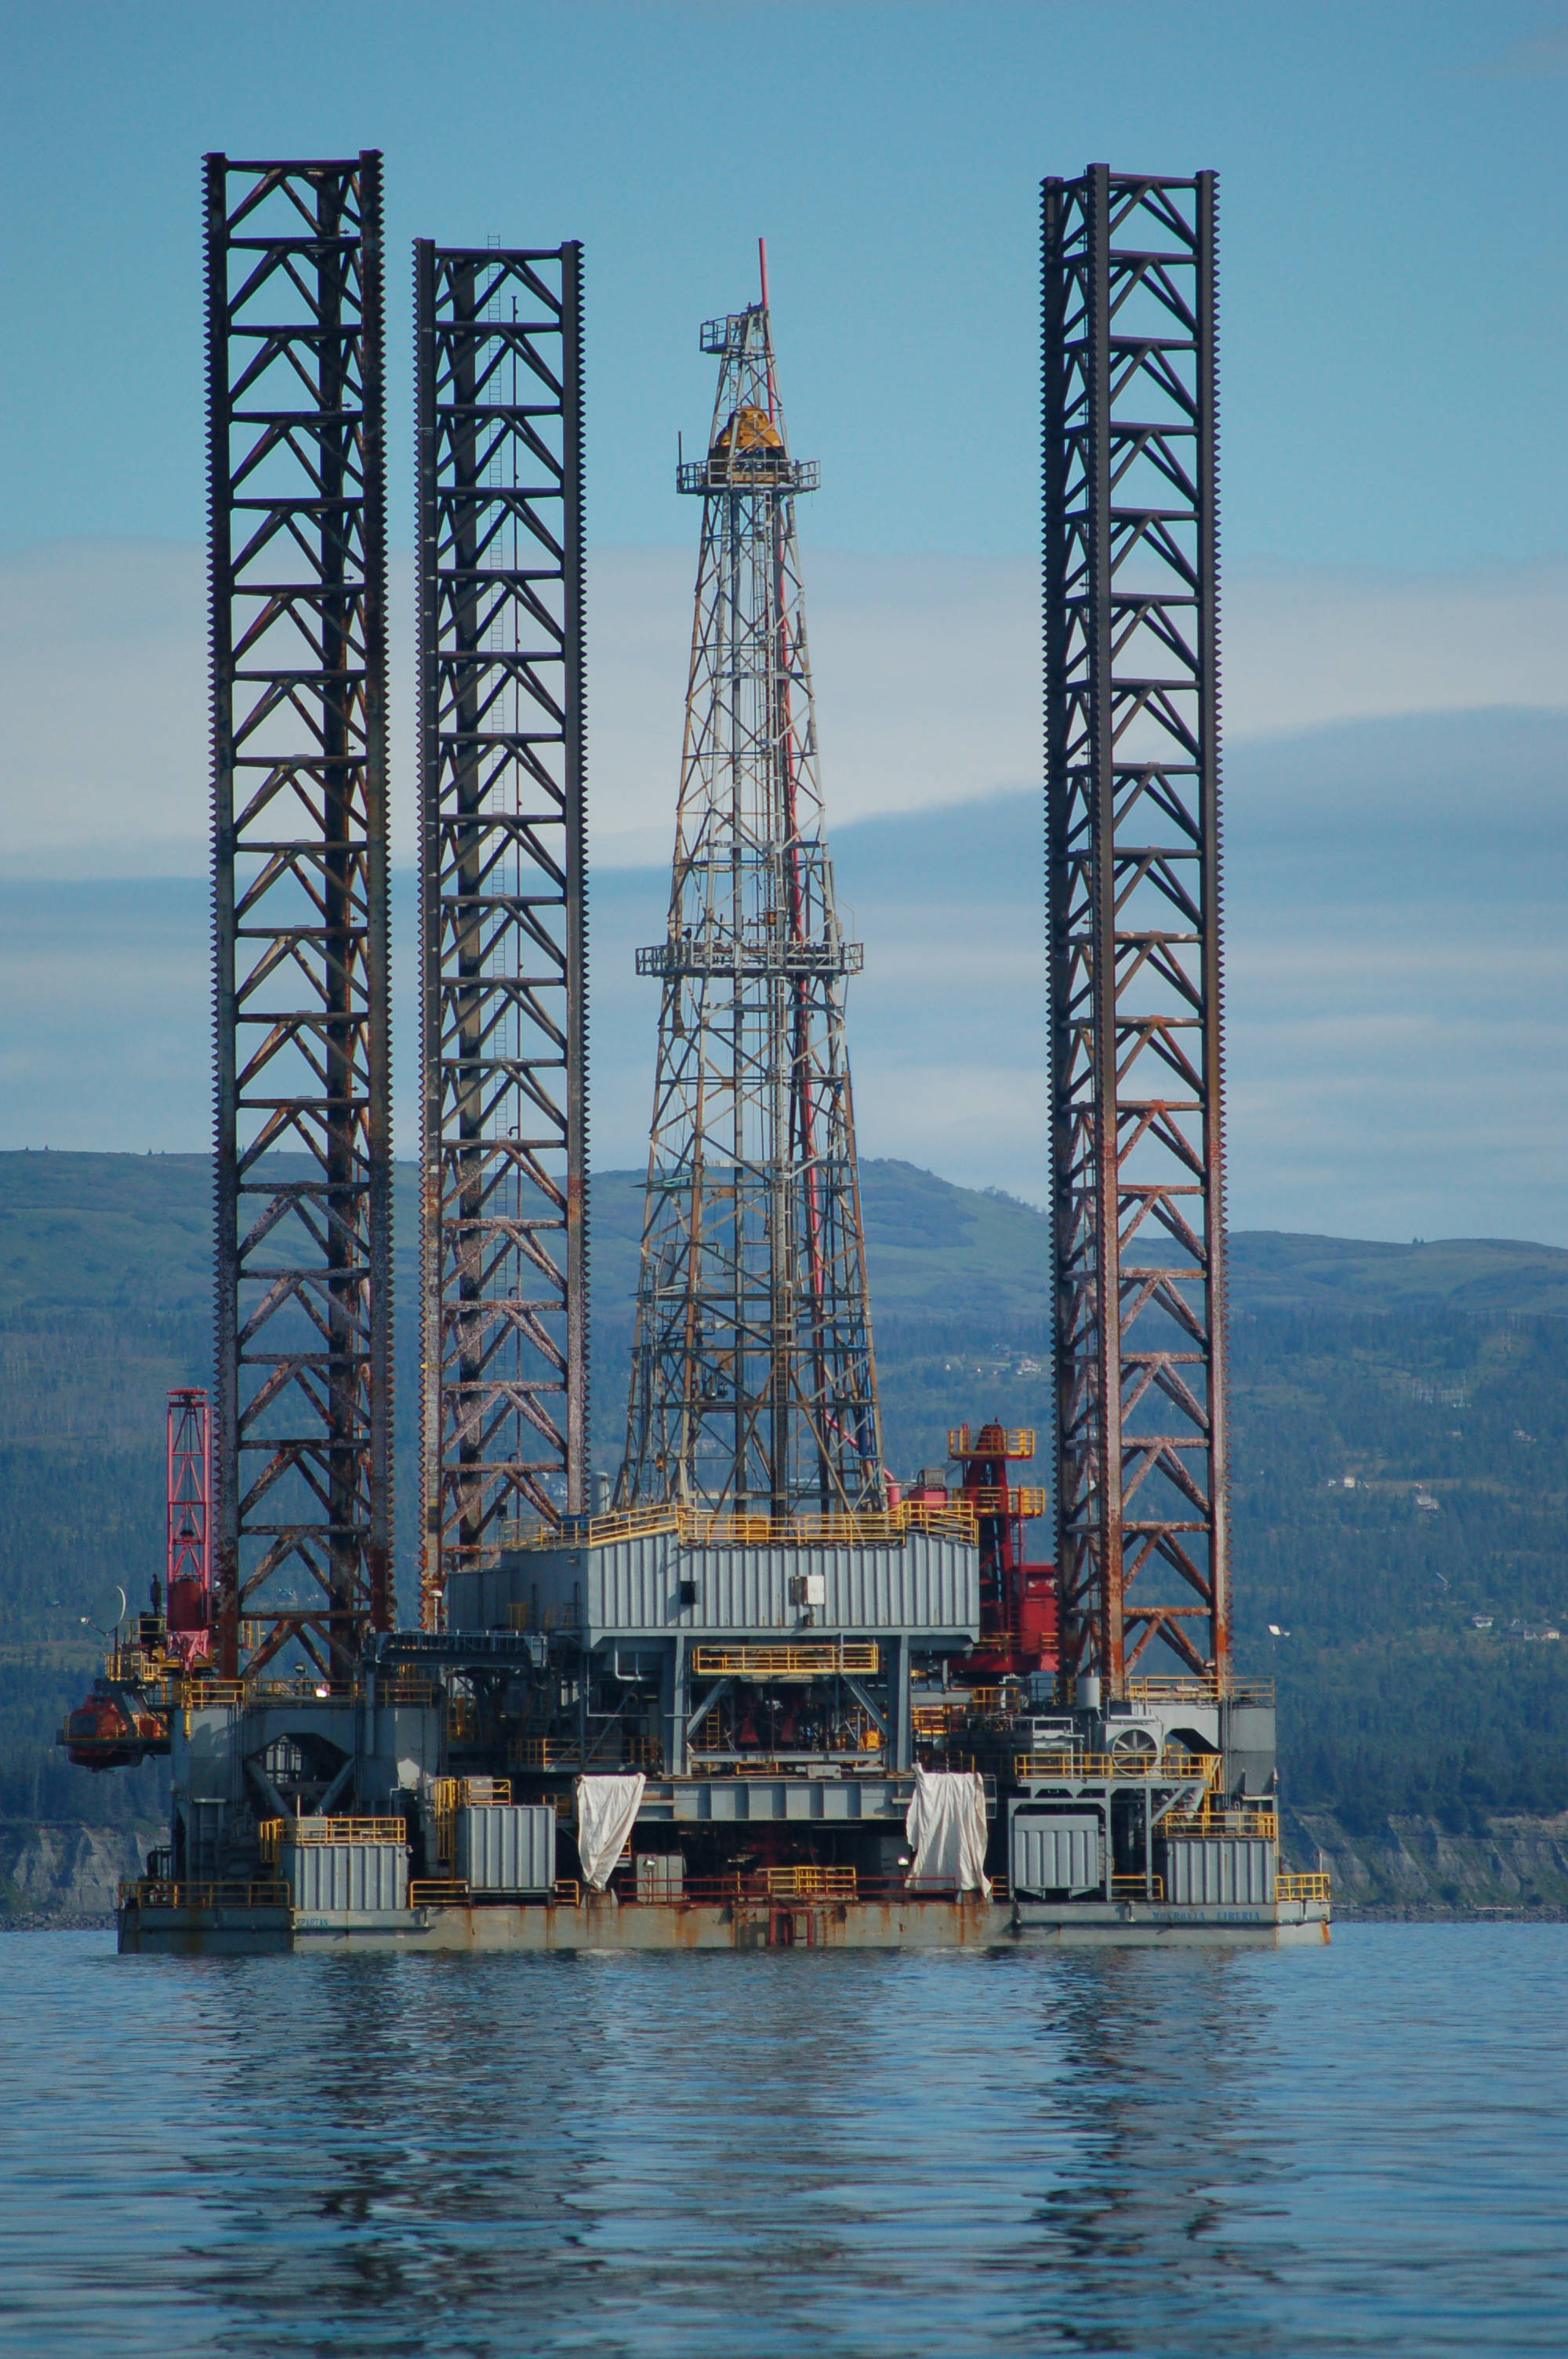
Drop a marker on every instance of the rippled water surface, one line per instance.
(1357, 2148)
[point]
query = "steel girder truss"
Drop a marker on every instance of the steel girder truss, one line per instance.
(303, 1114)
(1132, 752)
(753, 1386)
(504, 1001)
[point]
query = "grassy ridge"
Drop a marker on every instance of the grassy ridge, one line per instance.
(1434, 1366)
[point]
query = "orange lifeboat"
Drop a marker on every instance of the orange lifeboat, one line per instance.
(108, 1732)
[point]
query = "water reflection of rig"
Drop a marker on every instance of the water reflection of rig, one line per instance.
(760, 1693)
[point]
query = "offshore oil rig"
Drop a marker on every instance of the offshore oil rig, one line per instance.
(758, 1692)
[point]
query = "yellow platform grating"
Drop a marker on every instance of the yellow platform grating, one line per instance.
(860, 1659)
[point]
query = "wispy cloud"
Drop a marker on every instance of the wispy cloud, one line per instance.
(1398, 980)
(1394, 883)
(927, 672)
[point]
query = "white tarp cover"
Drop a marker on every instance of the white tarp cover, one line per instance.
(606, 1807)
(946, 1825)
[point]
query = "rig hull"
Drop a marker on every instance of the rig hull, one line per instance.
(216, 1928)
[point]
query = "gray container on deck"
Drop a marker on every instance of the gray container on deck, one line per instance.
(507, 1847)
(1221, 1870)
(346, 1877)
(1055, 1854)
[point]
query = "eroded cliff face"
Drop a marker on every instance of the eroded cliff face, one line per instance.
(1415, 1867)
(65, 1874)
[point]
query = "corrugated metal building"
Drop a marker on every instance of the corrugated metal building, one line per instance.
(648, 1584)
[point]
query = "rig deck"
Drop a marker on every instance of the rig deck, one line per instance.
(193, 1923)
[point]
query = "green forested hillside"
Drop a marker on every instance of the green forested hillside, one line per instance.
(1436, 1367)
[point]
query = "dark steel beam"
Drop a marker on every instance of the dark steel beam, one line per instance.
(303, 1144)
(1133, 889)
(503, 1006)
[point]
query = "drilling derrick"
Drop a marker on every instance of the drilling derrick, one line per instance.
(753, 1387)
(303, 1152)
(1132, 756)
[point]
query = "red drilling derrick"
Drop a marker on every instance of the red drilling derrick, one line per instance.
(188, 1571)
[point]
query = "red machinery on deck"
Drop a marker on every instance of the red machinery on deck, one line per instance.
(113, 1727)
(1018, 1596)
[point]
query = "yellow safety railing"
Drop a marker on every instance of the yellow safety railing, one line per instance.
(194, 1694)
(806, 1883)
(542, 1752)
(450, 1794)
(1027, 1499)
(635, 1751)
(935, 1719)
(1011, 1498)
(438, 1891)
(1313, 1886)
(415, 1694)
(160, 1676)
(1131, 1888)
(215, 1693)
(530, 1616)
(1092, 1765)
(1010, 1441)
(156, 1892)
(303, 1832)
(952, 1518)
(804, 1662)
(1262, 1825)
(1209, 1686)
(343, 1830)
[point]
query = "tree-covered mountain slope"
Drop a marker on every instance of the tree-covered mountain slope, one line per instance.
(1431, 1375)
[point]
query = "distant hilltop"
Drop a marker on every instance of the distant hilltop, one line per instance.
(85, 1230)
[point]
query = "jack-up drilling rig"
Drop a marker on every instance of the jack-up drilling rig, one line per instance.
(769, 1696)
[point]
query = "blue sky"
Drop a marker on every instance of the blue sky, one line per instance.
(1393, 285)
(1394, 310)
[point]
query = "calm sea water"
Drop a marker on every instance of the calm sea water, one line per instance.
(1357, 2148)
